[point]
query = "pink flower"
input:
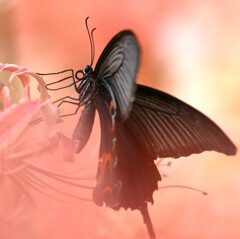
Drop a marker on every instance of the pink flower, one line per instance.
(49, 112)
(24, 145)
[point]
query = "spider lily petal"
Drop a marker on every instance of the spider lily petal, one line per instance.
(23, 146)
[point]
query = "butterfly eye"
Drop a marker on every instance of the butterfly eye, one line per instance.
(87, 69)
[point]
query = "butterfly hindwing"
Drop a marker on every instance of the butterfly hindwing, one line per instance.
(168, 127)
(135, 169)
(108, 187)
(127, 175)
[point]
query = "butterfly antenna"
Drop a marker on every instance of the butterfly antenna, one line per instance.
(90, 36)
(93, 47)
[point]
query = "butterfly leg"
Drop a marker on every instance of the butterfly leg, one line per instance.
(62, 100)
(74, 113)
(69, 102)
(56, 82)
(38, 120)
(63, 79)
(54, 73)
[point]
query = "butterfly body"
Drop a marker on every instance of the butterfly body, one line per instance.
(97, 89)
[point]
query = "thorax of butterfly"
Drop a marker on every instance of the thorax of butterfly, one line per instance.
(87, 88)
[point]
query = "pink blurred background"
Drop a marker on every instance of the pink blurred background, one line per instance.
(190, 49)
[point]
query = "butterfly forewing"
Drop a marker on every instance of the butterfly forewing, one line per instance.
(117, 66)
(168, 127)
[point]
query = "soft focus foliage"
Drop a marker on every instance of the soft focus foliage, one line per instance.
(189, 49)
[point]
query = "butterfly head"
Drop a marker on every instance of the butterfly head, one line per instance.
(87, 70)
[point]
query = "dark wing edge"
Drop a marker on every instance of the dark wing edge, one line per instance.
(168, 127)
(118, 66)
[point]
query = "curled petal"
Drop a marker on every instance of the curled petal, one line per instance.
(5, 95)
(25, 82)
(23, 74)
(49, 113)
(9, 67)
(24, 78)
(1, 66)
(15, 68)
(68, 148)
(2, 83)
(15, 115)
(24, 206)
(27, 91)
(60, 145)
(43, 91)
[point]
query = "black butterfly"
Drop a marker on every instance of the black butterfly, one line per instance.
(138, 125)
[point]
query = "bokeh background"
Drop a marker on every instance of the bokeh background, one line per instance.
(190, 49)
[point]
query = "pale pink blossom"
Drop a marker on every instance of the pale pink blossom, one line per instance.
(24, 145)
(5, 95)
(48, 111)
